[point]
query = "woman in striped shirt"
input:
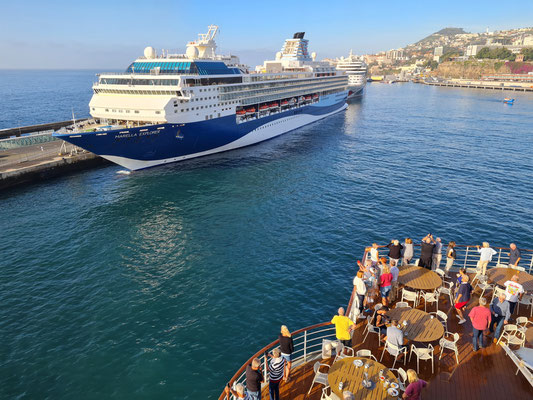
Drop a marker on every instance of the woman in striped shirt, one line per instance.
(276, 367)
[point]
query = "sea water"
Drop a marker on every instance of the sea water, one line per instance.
(162, 283)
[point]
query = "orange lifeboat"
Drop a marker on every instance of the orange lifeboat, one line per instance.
(263, 107)
(241, 112)
(250, 110)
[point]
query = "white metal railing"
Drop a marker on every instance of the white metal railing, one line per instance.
(468, 257)
(307, 346)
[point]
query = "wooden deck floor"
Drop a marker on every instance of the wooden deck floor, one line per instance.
(487, 374)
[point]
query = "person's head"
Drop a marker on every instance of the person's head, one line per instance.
(462, 271)
(285, 331)
(347, 395)
(256, 363)
(360, 274)
(276, 353)
(394, 322)
(515, 278)
(393, 263)
(239, 388)
(486, 244)
(395, 242)
(438, 239)
(383, 310)
(482, 302)
(411, 375)
(502, 297)
(341, 311)
(451, 244)
(512, 246)
(374, 245)
(386, 269)
(408, 240)
(383, 261)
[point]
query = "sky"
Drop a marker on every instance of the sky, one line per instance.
(109, 35)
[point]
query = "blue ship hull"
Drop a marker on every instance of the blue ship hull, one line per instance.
(147, 146)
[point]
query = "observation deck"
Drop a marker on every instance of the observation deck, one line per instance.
(489, 373)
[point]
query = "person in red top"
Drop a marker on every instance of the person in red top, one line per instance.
(480, 317)
(385, 283)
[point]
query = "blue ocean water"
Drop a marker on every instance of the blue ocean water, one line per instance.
(160, 284)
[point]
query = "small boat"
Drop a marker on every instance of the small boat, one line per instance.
(241, 112)
(263, 107)
(250, 110)
(508, 100)
(315, 96)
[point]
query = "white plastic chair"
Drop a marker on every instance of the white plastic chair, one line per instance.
(443, 319)
(372, 329)
(441, 273)
(327, 394)
(522, 323)
(512, 335)
(402, 304)
(429, 297)
(450, 345)
(446, 289)
(402, 378)
(320, 377)
(527, 300)
(478, 276)
(483, 286)
(328, 347)
(395, 351)
(496, 292)
(517, 268)
(408, 295)
(365, 353)
(343, 352)
(422, 353)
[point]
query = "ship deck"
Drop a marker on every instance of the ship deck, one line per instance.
(487, 374)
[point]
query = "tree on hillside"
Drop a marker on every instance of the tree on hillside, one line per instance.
(500, 53)
(483, 53)
(528, 54)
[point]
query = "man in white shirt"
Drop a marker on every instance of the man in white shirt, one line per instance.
(360, 290)
(374, 254)
(513, 292)
(485, 257)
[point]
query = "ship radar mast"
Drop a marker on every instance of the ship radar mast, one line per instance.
(205, 45)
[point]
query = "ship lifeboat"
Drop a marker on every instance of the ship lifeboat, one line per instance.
(308, 97)
(241, 112)
(263, 107)
(273, 105)
(315, 96)
(250, 110)
(284, 103)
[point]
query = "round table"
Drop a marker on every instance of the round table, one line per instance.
(419, 278)
(352, 377)
(501, 275)
(420, 326)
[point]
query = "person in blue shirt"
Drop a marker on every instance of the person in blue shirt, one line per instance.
(500, 310)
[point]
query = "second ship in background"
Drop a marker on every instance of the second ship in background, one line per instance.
(356, 69)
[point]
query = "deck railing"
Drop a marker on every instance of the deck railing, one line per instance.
(308, 341)
(307, 347)
(468, 256)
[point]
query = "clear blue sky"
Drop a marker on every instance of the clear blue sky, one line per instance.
(110, 34)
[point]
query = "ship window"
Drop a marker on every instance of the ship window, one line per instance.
(136, 111)
(207, 117)
(158, 112)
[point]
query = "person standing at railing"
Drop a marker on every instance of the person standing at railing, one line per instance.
(514, 255)
(426, 251)
(451, 255)
(343, 327)
(437, 254)
(395, 273)
(408, 251)
(254, 379)
(238, 393)
(286, 344)
(374, 254)
(486, 253)
(360, 291)
(276, 367)
(395, 251)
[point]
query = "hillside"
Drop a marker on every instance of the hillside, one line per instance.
(443, 32)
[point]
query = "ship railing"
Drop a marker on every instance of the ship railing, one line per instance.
(468, 257)
(307, 347)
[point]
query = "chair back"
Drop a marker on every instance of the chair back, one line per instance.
(440, 272)
(316, 367)
(518, 268)
(510, 328)
(402, 376)
(442, 315)
(408, 295)
(364, 353)
(392, 348)
(402, 304)
(521, 321)
(455, 338)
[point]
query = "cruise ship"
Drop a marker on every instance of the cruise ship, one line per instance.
(356, 69)
(171, 107)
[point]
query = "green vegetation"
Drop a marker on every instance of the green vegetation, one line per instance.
(528, 54)
(431, 64)
(500, 53)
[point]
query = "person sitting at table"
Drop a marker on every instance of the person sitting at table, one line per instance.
(395, 334)
(414, 390)
(380, 320)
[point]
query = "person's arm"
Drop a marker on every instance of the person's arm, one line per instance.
(507, 314)
(459, 295)
(517, 261)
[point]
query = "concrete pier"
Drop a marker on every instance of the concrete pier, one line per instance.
(481, 86)
(40, 162)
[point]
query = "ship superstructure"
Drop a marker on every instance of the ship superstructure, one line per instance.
(171, 107)
(356, 69)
